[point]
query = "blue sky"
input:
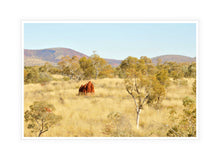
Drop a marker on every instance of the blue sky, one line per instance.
(114, 40)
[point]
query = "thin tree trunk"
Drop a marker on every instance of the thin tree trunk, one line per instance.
(41, 131)
(96, 74)
(138, 117)
(40, 134)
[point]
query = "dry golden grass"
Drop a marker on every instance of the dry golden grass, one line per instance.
(86, 116)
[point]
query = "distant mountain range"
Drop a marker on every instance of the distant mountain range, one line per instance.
(173, 58)
(53, 55)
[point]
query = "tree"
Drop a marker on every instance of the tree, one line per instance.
(162, 77)
(36, 74)
(192, 70)
(174, 69)
(144, 90)
(185, 68)
(31, 75)
(118, 72)
(87, 66)
(107, 71)
(98, 64)
(71, 67)
(141, 84)
(159, 63)
(149, 66)
(41, 117)
(55, 70)
(46, 67)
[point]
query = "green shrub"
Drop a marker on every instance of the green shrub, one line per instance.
(35, 75)
(186, 126)
(187, 101)
(44, 77)
(41, 117)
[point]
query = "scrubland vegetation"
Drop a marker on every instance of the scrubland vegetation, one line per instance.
(164, 93)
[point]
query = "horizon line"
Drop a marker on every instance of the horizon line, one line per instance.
(111, 58)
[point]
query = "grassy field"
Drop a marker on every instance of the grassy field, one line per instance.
(91, 116)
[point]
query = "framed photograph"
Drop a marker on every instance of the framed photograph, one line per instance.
(109, 79)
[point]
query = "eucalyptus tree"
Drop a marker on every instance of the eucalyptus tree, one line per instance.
(141, 83)
(41, 117)
(71, 67)
(98, 64)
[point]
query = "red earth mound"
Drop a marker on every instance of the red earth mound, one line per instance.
(86, 88)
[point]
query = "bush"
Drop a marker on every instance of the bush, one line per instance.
(44, 77)
(187, 101)
(41, 117)
(186, 127)
(118, 125)
(31, 75)
(34, 75)
(192, 70)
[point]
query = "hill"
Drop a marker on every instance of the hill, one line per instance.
(173, 58)
(53, 55)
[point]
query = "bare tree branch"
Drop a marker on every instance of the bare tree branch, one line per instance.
(145, 98)
(44, 131)
(132, 97)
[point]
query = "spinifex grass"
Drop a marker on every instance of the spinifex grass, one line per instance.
(87, 116)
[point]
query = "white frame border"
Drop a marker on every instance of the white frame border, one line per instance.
(23, 21)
